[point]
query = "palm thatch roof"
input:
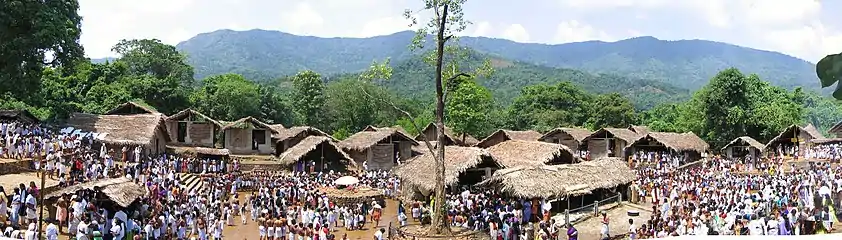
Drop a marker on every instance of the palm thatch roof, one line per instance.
(578, 134)
(678, 142)
(621, 133)
(642, 130)
(421, 148)
(309, 144)
(286, 133)
(792, 130)
(744, 140)
(277, 127)
(193, 151)
(826, 140)
(396, 128)
(137, 129)
(529, 153)
(365, 139)
(131, 108)
(836, 128)
(21, 115)
(120, 190)
(527, 135)
(419, 171)
(242, 122)
(186, 113)
(449, 134)
(560, 180)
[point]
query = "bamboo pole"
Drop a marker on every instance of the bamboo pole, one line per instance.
(41, 195)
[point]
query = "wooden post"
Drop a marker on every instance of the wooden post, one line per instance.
(41, 195)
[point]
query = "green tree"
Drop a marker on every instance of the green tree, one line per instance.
(274, 106)
(610, 110)
(309, 98)
(35, 34)
(544, 107)
(468, 107)
(158, 73)
(351, 109)
(228, 96)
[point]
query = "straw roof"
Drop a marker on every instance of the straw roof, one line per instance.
(449, 134)
(676, 141)
(790, 131)
(190, 112)
(193, 151)
(308, 145)
(128, 106)
(396, 128)
(559, 180)
(22, 115)
(744, 140)
(826, 140)
(120, 190)
(528, 153)
(578, 134)
(642, 130)
(836, 127)
(137, 129)
(621, 133)
(365, 139)
(251, 120)
(286, 133)
(419, 171)
(527, 135)
(277, 127)
(422, 148)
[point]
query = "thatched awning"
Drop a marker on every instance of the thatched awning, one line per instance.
(187, 113)
(22, 115)
(528, 135)
(309, 144)
(621, 133)
(792, 130)
(678, 142)
(744, 140)
(560, 180)
(528, 153)
(365, 139)
(286, 133)
(826, 141)
(122, 191)
(449, 134)
(641, 130)
(398, 128)
(137, 129)
(131, 108)
(193, 151)
(578, 134)
(421, 148)
(248, 120)
(419, 171)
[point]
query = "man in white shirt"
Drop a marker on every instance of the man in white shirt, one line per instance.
(52, 231)
(379, 234)
(31, 204)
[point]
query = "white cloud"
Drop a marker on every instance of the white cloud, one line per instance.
(384, 26)
(812, 42)
(574, 31)
(481, 29)
(517, 33)
(302, 20)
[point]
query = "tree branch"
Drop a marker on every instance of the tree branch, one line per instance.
(409, 116)
(448, 38)
(449, 84)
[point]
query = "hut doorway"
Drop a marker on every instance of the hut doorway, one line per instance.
(258, 137)
(322, 159)
(181, 132)
(477, 174)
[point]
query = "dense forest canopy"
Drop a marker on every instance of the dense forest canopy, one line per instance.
(730, 105)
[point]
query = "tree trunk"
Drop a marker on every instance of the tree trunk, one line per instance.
(439, 224)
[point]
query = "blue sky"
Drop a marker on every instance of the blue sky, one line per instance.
(803, 28)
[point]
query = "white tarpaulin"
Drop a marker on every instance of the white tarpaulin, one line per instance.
(346, 180)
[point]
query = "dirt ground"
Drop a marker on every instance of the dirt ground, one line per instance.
(618, 222)
(10, 181)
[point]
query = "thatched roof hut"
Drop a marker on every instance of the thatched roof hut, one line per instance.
(610, 142)
(420, 170)
(398, 128)
(22, 115)
(120, 190)
(573, 138)
(299, 131)
(804, 134)
(242, 122)
(277, 127)
(621, 133)
(195, 151)
(309, 145)
(193, 115)
(562, 180)
(138, 129)
(679, 142)
(744, 141)
(530, 153)
(503, 135)
(451, 137)
(641, 130)
(826, 141)
(130, 108)
(366, 139)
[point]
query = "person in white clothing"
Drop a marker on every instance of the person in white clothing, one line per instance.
(52, 231)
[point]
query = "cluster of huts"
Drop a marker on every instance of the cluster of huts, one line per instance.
(794, 140)
(563, 161)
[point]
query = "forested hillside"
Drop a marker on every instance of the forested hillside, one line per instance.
(262, 54)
